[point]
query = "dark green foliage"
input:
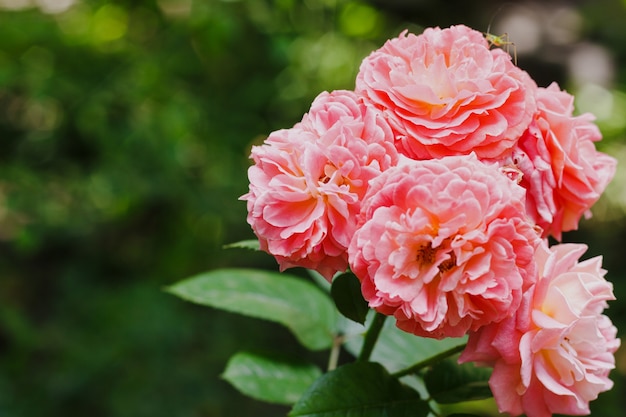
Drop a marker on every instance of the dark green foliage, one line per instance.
(346, 292)
(361, 389)
(448, 382)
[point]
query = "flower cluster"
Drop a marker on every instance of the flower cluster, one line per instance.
(437, 181)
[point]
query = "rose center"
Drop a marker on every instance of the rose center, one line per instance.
(425, 254)
(448, 264)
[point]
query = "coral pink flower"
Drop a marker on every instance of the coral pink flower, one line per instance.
(444, 246)
(446, 93)
(307, 182)
(562, 170)
(555, 355)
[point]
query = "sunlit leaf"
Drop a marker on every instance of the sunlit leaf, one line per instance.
(297, 304)
(271, 379)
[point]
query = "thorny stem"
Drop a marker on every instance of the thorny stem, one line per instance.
(371, 336)
(430, 361)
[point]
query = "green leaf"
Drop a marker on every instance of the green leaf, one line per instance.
(252, 244)
(397, 349)
(448, 382)
(462, 415)
(361, 389)
(297, 304)
(268, 378)
(346, 292)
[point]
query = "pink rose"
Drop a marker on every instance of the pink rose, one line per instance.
(445, 92)
(555, 355)
(444, 246)
(307, 182)
(562, 170)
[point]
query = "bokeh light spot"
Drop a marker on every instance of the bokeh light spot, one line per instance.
(359, 20)
(109, 24)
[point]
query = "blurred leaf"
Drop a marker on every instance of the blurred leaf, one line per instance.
(319, 280)
(270, 379)
(361, 389)
(252, 244)
(397, 349)
(448, 382)
(346, 292)
(285, 299)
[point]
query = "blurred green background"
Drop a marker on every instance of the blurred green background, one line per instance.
(125, 129)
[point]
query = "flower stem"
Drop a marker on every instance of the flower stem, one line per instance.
(430, 361)
(371, 336)
(334, 352)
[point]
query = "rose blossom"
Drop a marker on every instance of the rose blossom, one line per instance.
(555, 355)
(307, 182)
(444, 246)
(445, 92)
(562, 171)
